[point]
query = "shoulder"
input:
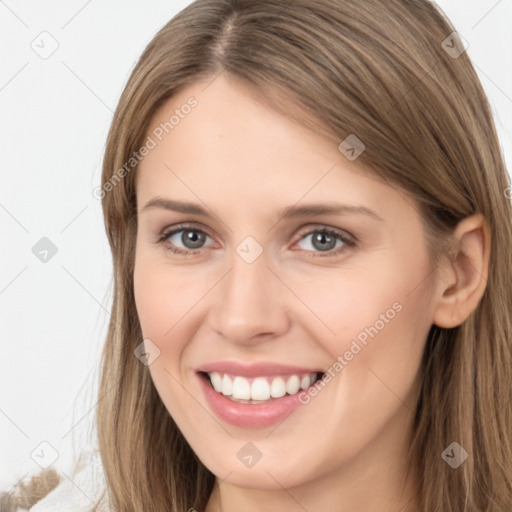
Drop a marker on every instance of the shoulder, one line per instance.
(83, 490)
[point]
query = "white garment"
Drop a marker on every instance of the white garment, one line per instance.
(79, 491)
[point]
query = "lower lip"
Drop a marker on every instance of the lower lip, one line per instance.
(247, 415)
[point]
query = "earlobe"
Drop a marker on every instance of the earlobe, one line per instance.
(465, 276)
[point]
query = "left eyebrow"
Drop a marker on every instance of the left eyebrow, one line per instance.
(310, 210)
(291, 212)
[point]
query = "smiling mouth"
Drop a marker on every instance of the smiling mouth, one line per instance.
(259, 390)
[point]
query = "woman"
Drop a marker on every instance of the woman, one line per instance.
(249, 366)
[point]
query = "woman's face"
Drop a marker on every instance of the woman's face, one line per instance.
(258, 297)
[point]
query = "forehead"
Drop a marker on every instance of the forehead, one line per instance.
(220, 140)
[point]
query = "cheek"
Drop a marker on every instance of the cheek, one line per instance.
(151, 301)
(164, 297)
(163, 302)
(379, 322)
(359, 304)
(373, 324)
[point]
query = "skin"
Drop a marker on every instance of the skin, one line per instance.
(245, 163)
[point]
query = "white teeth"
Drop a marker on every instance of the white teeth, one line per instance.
(241, 388)
(278, 387)
(216, 381)
(260, 388)
(227, 386)
(293, 385)
(304, 383)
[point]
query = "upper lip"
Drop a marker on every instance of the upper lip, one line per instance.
(254, 369)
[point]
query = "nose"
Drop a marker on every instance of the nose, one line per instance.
(250, 303)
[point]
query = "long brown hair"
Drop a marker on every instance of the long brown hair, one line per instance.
(381, 70)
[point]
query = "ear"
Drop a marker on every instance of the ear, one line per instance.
(464, 278)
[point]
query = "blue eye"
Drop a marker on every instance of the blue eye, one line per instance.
(193, 236)
(324, 241)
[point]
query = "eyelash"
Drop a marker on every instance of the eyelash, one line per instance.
(348, 242)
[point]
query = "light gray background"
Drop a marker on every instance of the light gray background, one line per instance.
(55, 117)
